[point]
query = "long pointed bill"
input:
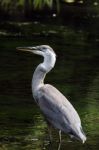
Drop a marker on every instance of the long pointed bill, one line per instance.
(29, 49)
(34, 50)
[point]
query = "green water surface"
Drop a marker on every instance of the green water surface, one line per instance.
(76, 75)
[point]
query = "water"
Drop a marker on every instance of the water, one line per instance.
(76, 75)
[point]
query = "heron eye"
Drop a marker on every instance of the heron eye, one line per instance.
(44, 48)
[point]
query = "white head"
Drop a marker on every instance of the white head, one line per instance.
(45, 51)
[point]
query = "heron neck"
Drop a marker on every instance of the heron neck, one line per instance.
(38, 78)
(41, 71)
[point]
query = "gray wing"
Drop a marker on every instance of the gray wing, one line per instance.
(57, 109)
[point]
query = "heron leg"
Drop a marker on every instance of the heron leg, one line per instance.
(59, 146)
(60, 136)
(50, 131)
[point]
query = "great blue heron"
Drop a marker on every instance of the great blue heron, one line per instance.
(57, 110)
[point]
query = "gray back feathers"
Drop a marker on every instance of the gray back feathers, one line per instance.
(57, 108)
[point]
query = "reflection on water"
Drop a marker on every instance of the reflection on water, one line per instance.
(76, 74)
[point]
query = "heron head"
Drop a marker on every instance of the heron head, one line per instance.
(43, 50)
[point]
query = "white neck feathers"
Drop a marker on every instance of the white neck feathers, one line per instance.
(41, 70)
(49, 62)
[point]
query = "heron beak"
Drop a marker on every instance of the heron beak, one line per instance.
(28, 49)
(34, 50)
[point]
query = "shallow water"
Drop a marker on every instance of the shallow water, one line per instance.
(76, 75)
